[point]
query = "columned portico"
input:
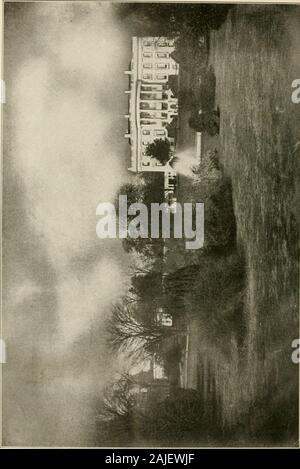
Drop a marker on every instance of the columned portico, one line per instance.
(152, 105)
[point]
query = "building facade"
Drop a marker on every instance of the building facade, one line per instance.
(152, 104)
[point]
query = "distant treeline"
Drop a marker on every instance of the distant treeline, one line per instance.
(169, 18)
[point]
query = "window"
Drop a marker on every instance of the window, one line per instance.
(175, 66)
(147, 76)
(165, 319)
(147, 65)
(148, 43)
(151, 88)
(153, 106)
(161, 65)
(146, 163)
(146, 132)
(161, 77)
(147, 54)
(147, 96)
(145, 143)
(159, 132)
(162, 55)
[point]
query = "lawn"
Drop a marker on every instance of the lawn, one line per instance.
(255, 56)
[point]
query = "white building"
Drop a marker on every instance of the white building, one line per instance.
(164, 319)
(152, 105)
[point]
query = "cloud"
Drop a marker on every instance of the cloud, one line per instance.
(25, 291)
(64, 154)
(80, 297)
(65, 150)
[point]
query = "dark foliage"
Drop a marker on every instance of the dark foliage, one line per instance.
(220, 223)
(148, 190)
(168, 18)
(181, 418)
(206, 96)
(160, 149)
(207, 121)
(139, 339)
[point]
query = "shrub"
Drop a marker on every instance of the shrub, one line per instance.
(160, 149)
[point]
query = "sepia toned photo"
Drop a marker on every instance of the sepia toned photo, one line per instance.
(150, 224)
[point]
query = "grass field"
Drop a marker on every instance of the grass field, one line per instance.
(256, 56)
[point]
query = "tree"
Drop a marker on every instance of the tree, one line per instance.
(208, 121)
(136, 338)
(118, 398)
(145, 265)
(153, 189)
(147, 189)
(132, 190)
(160, 149)
(116, 412)
(168, 19)
(146, 284)
(149, 247)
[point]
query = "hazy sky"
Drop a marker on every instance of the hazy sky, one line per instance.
(64, 152)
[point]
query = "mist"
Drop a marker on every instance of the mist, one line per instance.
(64, 153)
(186, 160)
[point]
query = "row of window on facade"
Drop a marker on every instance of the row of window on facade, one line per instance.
(149, 76)
(158, 132)
(152, 122)
(155, 106)
(154, 87)
(158, 55)
(146, 159)
(159, 95)
(154, 115)
(159, 43)
(160, 65)
(147, 163)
